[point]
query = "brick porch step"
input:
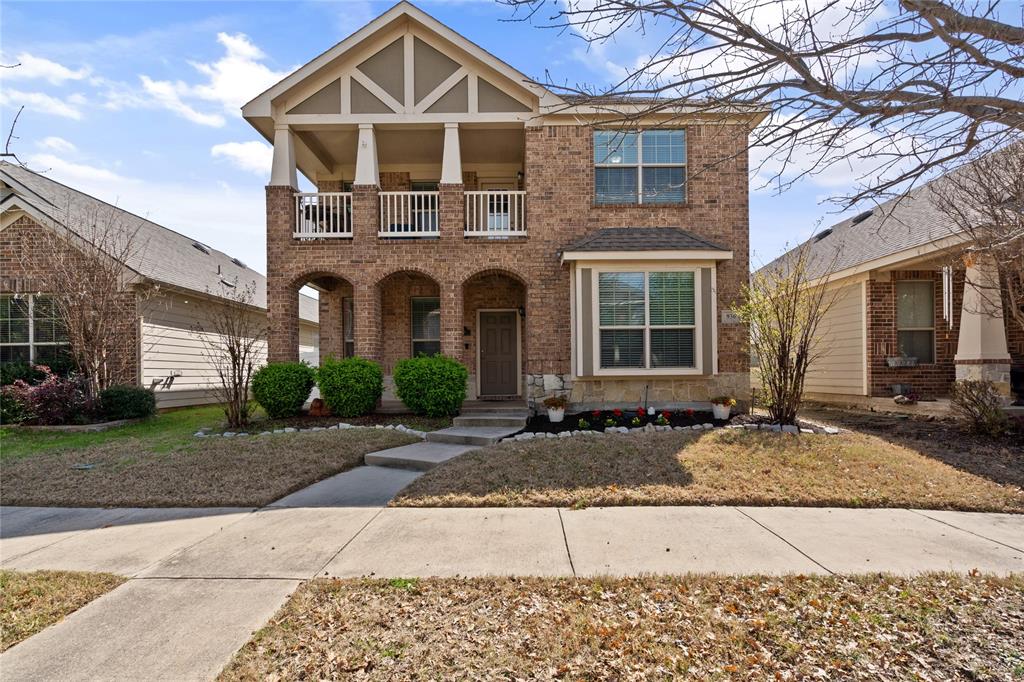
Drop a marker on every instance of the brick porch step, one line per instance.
(472, 435)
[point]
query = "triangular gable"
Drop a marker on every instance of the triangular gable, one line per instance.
(408, 63)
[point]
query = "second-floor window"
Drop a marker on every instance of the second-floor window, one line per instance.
(639, 167)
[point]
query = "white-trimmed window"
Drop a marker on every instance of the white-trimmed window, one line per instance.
(348, 327)
(30, 329)
(645, 167)
(915, 319)
(648, 320)
(426, 325)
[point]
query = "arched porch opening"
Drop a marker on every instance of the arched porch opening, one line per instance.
(494, 330)
(410, 317)
(324, 314)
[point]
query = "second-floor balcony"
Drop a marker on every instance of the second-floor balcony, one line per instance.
(488, 214)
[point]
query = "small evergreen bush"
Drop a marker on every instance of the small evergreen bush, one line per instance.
(434, 386)
(350, 387)
(20, 371)
(13, 409)
(281, 388)
(127, 402)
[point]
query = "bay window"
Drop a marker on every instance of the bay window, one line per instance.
(640, 167)
(915, 319)
(31, 330)
(647, 320)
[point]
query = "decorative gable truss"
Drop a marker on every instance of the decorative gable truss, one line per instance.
(407, 73)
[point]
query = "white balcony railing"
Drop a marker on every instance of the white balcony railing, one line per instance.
(323, 215)
(409, 214)
(495, 213)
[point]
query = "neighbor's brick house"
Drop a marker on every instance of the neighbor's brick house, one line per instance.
(462, 209)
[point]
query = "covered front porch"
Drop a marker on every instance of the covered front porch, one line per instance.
(479, 321)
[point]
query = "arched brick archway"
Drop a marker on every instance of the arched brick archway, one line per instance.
(411, 305)
(292, 336)
(494, 329)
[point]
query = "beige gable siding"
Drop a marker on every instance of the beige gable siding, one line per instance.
(840, 368)
(171, 346)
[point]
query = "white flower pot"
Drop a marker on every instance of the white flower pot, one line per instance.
(721, 411)
(556, 414)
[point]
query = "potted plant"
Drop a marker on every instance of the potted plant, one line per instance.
(721, 406)
(556, 405)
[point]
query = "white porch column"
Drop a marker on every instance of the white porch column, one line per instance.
(282, 169)
(367, 167)
(451, 161)
(981, 351)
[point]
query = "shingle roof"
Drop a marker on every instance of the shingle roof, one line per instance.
(893, 226)
(642, 239)
(167, 256)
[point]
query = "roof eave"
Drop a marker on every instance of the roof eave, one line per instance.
(649, 255)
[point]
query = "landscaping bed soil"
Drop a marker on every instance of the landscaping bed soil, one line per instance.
(599, 420)
(878, 627)
(305, 421)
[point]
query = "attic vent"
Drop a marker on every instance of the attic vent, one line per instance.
(227, 283)
(200, 247)
(238, 263)
(861, 217)
(821, 235)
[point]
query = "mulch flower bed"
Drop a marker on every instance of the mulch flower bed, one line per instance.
(599, 420)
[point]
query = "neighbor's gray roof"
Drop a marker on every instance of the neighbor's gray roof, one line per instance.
(166, 256)
(642, 239)
(896, 225)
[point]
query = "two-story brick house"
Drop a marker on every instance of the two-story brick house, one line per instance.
(463, 209)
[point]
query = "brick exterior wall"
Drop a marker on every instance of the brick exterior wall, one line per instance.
(930, 380)
(25, 258)
(559, 177)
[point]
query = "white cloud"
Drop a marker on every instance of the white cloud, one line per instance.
(31, 67)
(224, 216)
(56, 144)
(44, 104)
(253, 156)
(168, 95)
(231, 81)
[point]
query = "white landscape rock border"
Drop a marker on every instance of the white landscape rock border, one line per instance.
(341, 426)
(653, 428)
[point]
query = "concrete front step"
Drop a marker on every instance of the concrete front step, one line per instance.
(418, 456)
(472, 435)
(490, 419)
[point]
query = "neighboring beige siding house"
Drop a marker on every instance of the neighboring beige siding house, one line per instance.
(906, 317)
(167, 353)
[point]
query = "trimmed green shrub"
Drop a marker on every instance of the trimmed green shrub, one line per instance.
(434, 386)
(350, 387)
(127, 402)
(20, 371)
(13, 409)
(281, 388)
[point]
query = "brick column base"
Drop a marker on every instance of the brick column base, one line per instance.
(451, 212)
(332, 341)
(367, 314)
(452, 321)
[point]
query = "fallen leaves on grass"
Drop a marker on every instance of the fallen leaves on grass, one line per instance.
(30, 602)
(936, 626)
(722, 467)
(244, 472)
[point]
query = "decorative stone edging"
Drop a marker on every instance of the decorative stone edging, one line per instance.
(653, 428)
(341, 426)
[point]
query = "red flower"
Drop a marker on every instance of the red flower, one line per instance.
(666, 414)
(641, 412)
(617, 412)
(596, 413)
(689, 412)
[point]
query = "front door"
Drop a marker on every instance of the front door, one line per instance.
(499, 353)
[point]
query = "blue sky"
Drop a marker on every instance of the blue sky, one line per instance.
(137, 102)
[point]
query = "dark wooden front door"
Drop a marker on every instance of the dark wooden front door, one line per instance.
(499, 353)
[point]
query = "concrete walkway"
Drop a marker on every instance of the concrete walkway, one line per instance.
(204, 579)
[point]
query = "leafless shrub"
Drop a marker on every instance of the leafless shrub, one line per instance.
(979, 405)
(234, 342)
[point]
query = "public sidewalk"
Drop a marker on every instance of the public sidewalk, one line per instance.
(202, 580)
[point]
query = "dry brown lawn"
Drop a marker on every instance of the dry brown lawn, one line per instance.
(933, 627)
(720, 467)
(30, 602)
(202, 472)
